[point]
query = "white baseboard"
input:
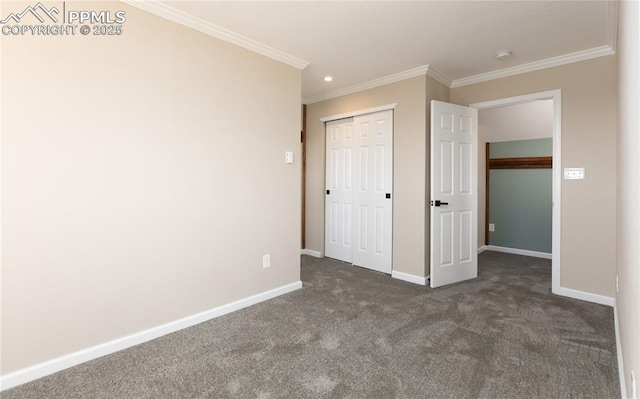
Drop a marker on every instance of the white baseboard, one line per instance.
(52, 366)
(409, 277)
(516, 251)
(311, 252)
(568, 292)
(623, 387)
(585, 296)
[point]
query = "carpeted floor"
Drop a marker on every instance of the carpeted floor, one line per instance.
(353, 333)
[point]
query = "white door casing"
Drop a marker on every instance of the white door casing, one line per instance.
(454, 193)
(556, 96)
(359, 183)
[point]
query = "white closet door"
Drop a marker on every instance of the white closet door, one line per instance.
(372, 194)
(359, 184)
(339, 185)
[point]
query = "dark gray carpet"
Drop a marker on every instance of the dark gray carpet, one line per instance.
(353, 333)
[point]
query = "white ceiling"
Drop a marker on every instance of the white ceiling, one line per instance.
(361, 41)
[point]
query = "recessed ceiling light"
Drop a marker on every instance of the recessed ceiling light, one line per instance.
(328, 78)
(503, 55)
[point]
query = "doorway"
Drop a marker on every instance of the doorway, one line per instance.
(518, 177)
(555, 97)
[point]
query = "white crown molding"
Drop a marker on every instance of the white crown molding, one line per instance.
(535, 66)
(40, 370)
(438, 76)
(385, 80)
(181, 17)
(175, 15)
(483, 77)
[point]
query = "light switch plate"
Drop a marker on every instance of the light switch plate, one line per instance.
(574, 173)
(288, 157)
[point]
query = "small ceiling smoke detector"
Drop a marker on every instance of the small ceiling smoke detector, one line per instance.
(503, 55)
(328, 78)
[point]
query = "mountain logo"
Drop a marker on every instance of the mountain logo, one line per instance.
(35, 11)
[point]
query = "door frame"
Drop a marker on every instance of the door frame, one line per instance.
(556, 96)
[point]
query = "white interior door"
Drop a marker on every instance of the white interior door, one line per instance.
(454, 193)
(359, 183)
(339, 186)
(373, 182)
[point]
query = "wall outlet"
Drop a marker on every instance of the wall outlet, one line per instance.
(492, 227)
(266, 261)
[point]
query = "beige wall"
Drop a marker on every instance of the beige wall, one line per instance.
(589, 141)
(409, 165)
(628, 228)
(528, 121)
(143, 178)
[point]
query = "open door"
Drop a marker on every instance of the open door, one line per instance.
(454, 193)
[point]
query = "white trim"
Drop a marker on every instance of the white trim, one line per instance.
(311, 252)
(556, 224)
(183, 18)
(612, 24)
(516, 251)
(409, 277)
(52, 366)
(586, 296)
(482, 249)
(365, 111)
(440, 77)
(525, 98)
(556, 228)
(535, 66)
(385, 80)
(621, 374)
